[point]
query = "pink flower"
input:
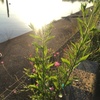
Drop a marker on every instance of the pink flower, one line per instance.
(49, 50)
(37, 85)
(51, 88)
(57, 53)
(56, 64)
(54, 55)
(31, 63)
(14, 91)
(30, 55)
(29, 45)
(33, 70)
(64, 49)
(2, 62)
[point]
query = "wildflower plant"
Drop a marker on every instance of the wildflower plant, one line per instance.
(95, 36)
(50, 78)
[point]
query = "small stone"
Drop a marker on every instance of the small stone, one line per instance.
(60, 95)
(76, 80)
(77, 84)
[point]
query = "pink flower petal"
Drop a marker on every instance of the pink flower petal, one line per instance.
(51, 88)
(57, 64)
(2, 62)
(33, 70)
(54, 55)
(31, 63)
(57, 53)
(14, 91)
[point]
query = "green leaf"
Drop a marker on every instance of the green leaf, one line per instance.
(74, 45)
(32, 75)
(33, 86)
(27, 70)
(83, 7)
(35, 66)
(49, 38)
(86, 50)
(36, 36)
(65, 61)
(55, 84)
(96, 9)
(94, 29)
(45, 50)
(37, 45)
(49, 66)
(76, 65)
(68, 83)
(31, 59)
(53, 78)
(80, 21)
(37, 50)
(70, 55)
(48, 57)
(84, 58)
(80, 26)
(32, 26)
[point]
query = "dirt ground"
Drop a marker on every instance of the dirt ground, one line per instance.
(16, 51)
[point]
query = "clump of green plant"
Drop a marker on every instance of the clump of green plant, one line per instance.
(95, 32)
(50, 78)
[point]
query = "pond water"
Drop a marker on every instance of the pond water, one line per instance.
(38, 12)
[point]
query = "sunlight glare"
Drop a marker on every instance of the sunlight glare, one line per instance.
(38, 12)
(41, 12)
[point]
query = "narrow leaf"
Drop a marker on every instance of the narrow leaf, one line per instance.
(45, 50)
(49, 66)
(49, 38)
(75, 46)
(68, 83)
(56, 84)
(36, 36)
(96, 9)
(32, 26)
(84, 58)
(33, 86)
(31, 59)
(53, 78)
(80, 28)
(65, 61)
(37, 45)
(79, 20)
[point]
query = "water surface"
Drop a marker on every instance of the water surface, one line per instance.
(38, 12)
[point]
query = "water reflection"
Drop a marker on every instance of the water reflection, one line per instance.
(2, 1)
(38, 12)
(74, 0)
(7, 5)
(41, 12)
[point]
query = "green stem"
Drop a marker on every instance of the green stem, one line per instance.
(43, 44)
